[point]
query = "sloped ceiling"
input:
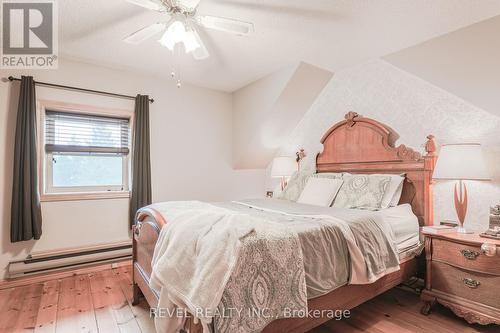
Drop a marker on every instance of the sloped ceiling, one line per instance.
(266, 111)
(465, 62)
(329, 34)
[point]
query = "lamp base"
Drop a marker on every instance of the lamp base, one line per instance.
(460, 197)
(462, 230)
(283, 183)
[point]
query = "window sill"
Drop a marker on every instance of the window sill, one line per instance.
(49, 197)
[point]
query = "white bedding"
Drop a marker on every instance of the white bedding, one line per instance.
(402, 220)
(404, 225)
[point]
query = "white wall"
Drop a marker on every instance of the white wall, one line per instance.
(191, 142)
(414, 108)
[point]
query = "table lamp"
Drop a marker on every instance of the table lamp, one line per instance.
(461, 162)
(283, 167)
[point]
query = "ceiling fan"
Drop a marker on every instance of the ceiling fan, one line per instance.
(181, 26)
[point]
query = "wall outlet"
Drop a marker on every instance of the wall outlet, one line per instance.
(114, 265)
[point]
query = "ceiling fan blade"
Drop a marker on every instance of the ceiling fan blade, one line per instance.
(225, 24)
(141, 35)
(188, 5)
(148, 4)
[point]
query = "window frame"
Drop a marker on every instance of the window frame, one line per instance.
(51, 193)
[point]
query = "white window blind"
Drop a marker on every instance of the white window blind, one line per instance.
(80, 133)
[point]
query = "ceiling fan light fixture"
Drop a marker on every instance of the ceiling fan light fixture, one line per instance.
(182, 28)
(176, 33)
(166, 41)
(191, 42)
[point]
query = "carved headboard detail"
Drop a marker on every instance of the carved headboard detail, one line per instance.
(364, 145)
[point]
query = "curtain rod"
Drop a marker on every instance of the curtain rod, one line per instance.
(11, 78)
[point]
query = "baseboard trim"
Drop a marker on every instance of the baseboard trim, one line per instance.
(69, 258)
(43, 277)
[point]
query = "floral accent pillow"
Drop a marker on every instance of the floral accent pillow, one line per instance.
(298, 181)
(362, 191)
(295, 185)
(331, 175)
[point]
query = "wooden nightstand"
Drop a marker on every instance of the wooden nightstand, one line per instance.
(461, 277)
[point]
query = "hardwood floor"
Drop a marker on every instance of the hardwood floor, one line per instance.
(95, 302)
(101, 302)
(398, 311)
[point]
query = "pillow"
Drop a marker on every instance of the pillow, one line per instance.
(393, 193)
(362, 191)
(298, 181)
(397, 194)
(390, 195)
(320, 191)
(295, 185)
(332, 175)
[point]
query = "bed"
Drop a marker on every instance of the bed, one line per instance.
(356, 145)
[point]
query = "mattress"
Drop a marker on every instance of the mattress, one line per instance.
(404, 225)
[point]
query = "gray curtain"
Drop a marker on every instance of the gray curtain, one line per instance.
(141, 164)
(26, 214)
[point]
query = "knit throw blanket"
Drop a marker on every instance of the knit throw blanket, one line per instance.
(205, 250)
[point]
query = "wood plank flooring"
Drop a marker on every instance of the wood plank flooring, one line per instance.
(101, 302)
(95, 302)
(398, 311)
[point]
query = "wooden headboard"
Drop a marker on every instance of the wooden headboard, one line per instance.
(363, 145)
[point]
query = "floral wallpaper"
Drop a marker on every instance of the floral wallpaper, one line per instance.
(414, 108)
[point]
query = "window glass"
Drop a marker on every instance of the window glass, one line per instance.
(87, 170)
(86, 152)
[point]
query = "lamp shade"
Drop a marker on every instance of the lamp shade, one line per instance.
(461, 162)
(283, 166)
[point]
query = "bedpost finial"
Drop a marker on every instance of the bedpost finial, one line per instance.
(351, 118)
(430, 145)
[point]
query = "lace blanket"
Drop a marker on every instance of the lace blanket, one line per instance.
(267, 283)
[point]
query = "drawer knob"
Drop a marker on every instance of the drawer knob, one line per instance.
(471, 283)
(489, 249)
(469, 254)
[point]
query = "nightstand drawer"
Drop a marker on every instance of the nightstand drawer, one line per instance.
(478, 287)
(465, 256)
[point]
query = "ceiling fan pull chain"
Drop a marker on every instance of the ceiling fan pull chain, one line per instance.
(176, 71)
(179, 82)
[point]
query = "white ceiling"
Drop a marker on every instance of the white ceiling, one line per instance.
(327, 33)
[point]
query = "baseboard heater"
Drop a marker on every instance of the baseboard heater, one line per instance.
(44, 262)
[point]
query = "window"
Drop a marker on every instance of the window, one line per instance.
(86, 153)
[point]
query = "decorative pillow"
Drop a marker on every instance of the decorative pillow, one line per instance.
(397, 195)
(295, 185)
(331, 175)
(320, 191)
(362, 191)
(392, 189)
(298, 181)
